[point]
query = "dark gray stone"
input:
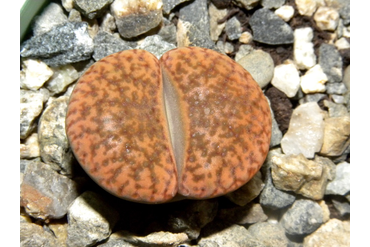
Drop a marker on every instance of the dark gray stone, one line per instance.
(331, 62)
(92, 9)
(270, 29)
(303, 217)
(196, 13)
(106, 44)
(343, 207)
(63, 44)
(156, 45)
(168, 32)
(273, 198)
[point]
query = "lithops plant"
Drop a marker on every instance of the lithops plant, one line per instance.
(192, 125)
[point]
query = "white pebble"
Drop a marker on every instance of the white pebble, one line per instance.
(34, 74)
(339, 99)
(63, 76)
(342, 43)
(314, 80)
(326, 18)
(306, 7)
(306, 131)
(286, 79)
(303, 52)
(246, 38)
(31, 148)
(285, 12)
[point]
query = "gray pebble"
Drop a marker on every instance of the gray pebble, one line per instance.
(233, 28)
(45, 193)
(343, 207)
(92, 9)
(315, 97)
(341, 184)
(303, 217)
(196, 15)
(273, 198)
(32, 235)
(156, 45)
(331, 62)
(64, 44)
(106, 44)
(90, 220)
(268, 28)
(54, 146)
(336, 88)
(74, 15)
(260, 65)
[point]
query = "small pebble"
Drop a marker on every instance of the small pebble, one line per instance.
(130, 24)
(305, 7)
(336, 88)
(61, 78)
(326, 18)
(50, 17)
(106, 44)
(332, 233)
(336, 136)
(303, 217)
(34, 74)
(273, 198)
(285, 12)
(339, 99)
(303, 51)
(92, 9)
(341, 184)
(342, 207)
(216, 14)
(54, 145)
(155, 45)
(233, 28)
(243, 51)
(313, 81)
(306, 131)
(325, 211)
(306, 177)
(192, 23)
(74, 15)
(315, 97)
(31, 105)
(286, 79)
(336, 110)
(67, 5)
(331, 62)
(276, 134)
(342, 44)
(34, 235)
(246, 38)
(46, 194)
(268, 28)
(90, 220)
(160, 238)
(108, 23)
(31, 148)
(260, 65)
(270, 234)
(232, 235)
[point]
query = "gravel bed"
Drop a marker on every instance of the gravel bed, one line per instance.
(297, 51)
